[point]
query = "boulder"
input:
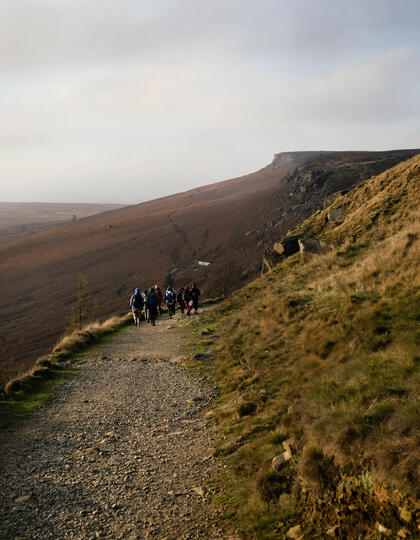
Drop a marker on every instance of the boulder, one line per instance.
(333, 197)
(203, 357)
(279, 461)
(230, 447)
(294, 532)
(337, 215)
(312, 246)
(206, 331)
(270, 260)
(288, 246)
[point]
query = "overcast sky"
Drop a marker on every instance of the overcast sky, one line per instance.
(128, 100)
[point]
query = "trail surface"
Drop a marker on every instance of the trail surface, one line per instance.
(123, 451)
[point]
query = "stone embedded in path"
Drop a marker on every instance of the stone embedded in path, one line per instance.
(23, 499)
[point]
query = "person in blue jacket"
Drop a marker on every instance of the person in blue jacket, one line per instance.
(152, 305)
(137, 304)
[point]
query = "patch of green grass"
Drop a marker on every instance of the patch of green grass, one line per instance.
(326, 353)
(42, 391)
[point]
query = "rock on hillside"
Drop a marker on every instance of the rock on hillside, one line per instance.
(315, 184)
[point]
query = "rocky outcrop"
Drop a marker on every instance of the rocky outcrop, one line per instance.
(270, 260)
(320, 178)
(288, 246)
(312, 246)
(297, 157)
(336, 215)
(333, 197)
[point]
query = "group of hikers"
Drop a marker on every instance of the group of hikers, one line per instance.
(153, 302)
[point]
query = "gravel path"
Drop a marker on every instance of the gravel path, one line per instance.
(124, 450)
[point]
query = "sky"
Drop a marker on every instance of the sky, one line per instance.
(126, 101)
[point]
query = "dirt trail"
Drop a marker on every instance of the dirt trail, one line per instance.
(123, 451)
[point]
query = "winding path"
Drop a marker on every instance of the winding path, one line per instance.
(123, 451)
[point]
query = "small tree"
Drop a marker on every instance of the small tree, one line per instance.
(82, 310)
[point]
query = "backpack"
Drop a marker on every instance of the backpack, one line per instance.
(169, 296)
(137, 301)
(153, 299)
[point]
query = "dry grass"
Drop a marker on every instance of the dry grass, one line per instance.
(327, 352)
(67, 346)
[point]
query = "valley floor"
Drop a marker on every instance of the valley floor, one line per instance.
(123, 451)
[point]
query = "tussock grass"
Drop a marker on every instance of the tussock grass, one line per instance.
(89, 335)
(327, 353)
(34, 388)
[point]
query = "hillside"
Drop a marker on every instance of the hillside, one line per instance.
(323, 351)
(226, 224)
(18, 219)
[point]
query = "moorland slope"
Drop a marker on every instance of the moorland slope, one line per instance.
(323, 352)
(17, 219)
(226, 224)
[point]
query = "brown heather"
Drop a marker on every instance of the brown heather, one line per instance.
(327, 353)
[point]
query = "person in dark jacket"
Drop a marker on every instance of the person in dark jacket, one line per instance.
(152, 305)
(146, 309)
(161, 300)
(136, 304)
(195, 293)
(188, 300)
(170, 298)
(180, 299)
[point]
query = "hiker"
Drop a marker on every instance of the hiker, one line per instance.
(146, 309)
(170, 298)
(180, 299)
(160, 298)
(152, 306)
(188, 300)
(136, 304)
(195, 293)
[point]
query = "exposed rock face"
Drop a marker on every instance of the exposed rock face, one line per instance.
(312, 246)
(336, 216)
(333, 197)
(317, 181)
(288, 246)
(270, 260)
(321, 177)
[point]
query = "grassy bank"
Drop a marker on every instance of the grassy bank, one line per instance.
(324, 354)
(36, 387)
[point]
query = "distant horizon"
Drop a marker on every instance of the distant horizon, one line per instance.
(132, 101)
(134, 203)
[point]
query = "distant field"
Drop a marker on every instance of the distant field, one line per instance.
(18, 219)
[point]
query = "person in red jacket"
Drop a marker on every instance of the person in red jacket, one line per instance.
(160, 298)
(188, 300)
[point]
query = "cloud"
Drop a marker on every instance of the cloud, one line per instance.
(124, 101)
